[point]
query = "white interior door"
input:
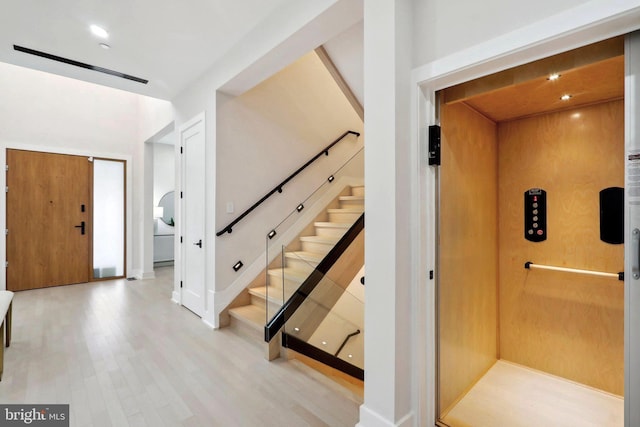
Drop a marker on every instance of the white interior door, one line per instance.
(192, 142)
(632, 246)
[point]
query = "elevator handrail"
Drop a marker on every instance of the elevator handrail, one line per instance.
(530, 265)
(278, 188)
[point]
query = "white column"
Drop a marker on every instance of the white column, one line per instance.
(388, 207)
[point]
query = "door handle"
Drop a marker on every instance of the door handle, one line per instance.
(199, 243)
(81, 227)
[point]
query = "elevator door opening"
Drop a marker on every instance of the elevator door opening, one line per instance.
(532, 346)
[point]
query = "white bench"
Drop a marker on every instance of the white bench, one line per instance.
(6, 301)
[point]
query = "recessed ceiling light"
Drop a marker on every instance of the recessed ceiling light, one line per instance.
(296, 329)
(324, 343)
(105, 46)
(99, 32)
(565, 97)
(554, 76)
(351, 356)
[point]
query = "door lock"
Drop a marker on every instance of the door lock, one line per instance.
(198, 244)
(81, 227)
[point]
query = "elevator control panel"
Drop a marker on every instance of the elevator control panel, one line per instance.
(535, 215)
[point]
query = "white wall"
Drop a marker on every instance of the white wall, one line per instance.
(346, 50)
(388, 205)
(164, 165)
(442, 27)
(263, 136)
(46, 112)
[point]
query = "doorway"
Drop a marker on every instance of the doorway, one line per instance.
(520, 346)
(192, 218)
(65, 219)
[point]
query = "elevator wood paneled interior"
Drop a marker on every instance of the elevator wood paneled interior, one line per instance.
(502, 135)
(44, 200)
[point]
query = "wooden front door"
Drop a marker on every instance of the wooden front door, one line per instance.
(48, 204)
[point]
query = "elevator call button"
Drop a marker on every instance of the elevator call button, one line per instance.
(535, 215)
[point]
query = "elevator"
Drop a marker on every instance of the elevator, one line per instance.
(531, 251)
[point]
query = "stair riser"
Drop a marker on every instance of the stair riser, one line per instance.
(273, 307)
(344, 217)
(301, 265)
(357, 191)
(250, 333)
(352, 204)
(330, 231)
(290, 286)
(321, 248)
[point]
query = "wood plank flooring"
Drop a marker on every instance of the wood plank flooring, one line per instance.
(122, 354)
(516, 396)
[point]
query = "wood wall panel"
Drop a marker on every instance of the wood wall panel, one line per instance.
(566, 324)
(467, 293)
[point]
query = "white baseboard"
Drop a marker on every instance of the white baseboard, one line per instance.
(210, 317)
(175, 297)
(148, 275)
(370, 418)
(208, 323)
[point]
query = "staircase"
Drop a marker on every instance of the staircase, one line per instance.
(249, 315)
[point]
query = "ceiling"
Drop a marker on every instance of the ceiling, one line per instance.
(168, 42)
(590, 75)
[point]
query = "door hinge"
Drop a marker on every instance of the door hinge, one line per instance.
(430, 274)
(434, 145)
(180, 283)
(181, 194)
(6, 264)
(6, 167)
(181, 150)
(6, 231)
(6, 189)
(180, 239)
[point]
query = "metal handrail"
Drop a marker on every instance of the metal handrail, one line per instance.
(278, 188)
(619, 276)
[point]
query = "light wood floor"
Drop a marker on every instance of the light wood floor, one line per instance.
(122, 354)
(510, 395)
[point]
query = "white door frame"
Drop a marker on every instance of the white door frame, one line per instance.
(591, 22)
(181, 240)
(632, 221)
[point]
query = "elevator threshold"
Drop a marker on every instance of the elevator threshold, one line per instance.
(511, 395)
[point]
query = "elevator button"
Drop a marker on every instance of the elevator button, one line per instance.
(535, 225)
(531, 231)
(535, 211)
(535, 218)
(535, 205)
(540, 232)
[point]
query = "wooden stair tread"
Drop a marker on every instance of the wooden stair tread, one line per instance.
(354, 198)
(346, 210)
(290, 273)
(261, 292)
(324, 224)
(314, 257)
(251, 315)
(321, 239)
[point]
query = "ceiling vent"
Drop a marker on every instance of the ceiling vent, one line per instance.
(78, 64)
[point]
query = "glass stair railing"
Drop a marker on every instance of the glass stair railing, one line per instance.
(323, 317)
(329, 326)
(307, 245)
